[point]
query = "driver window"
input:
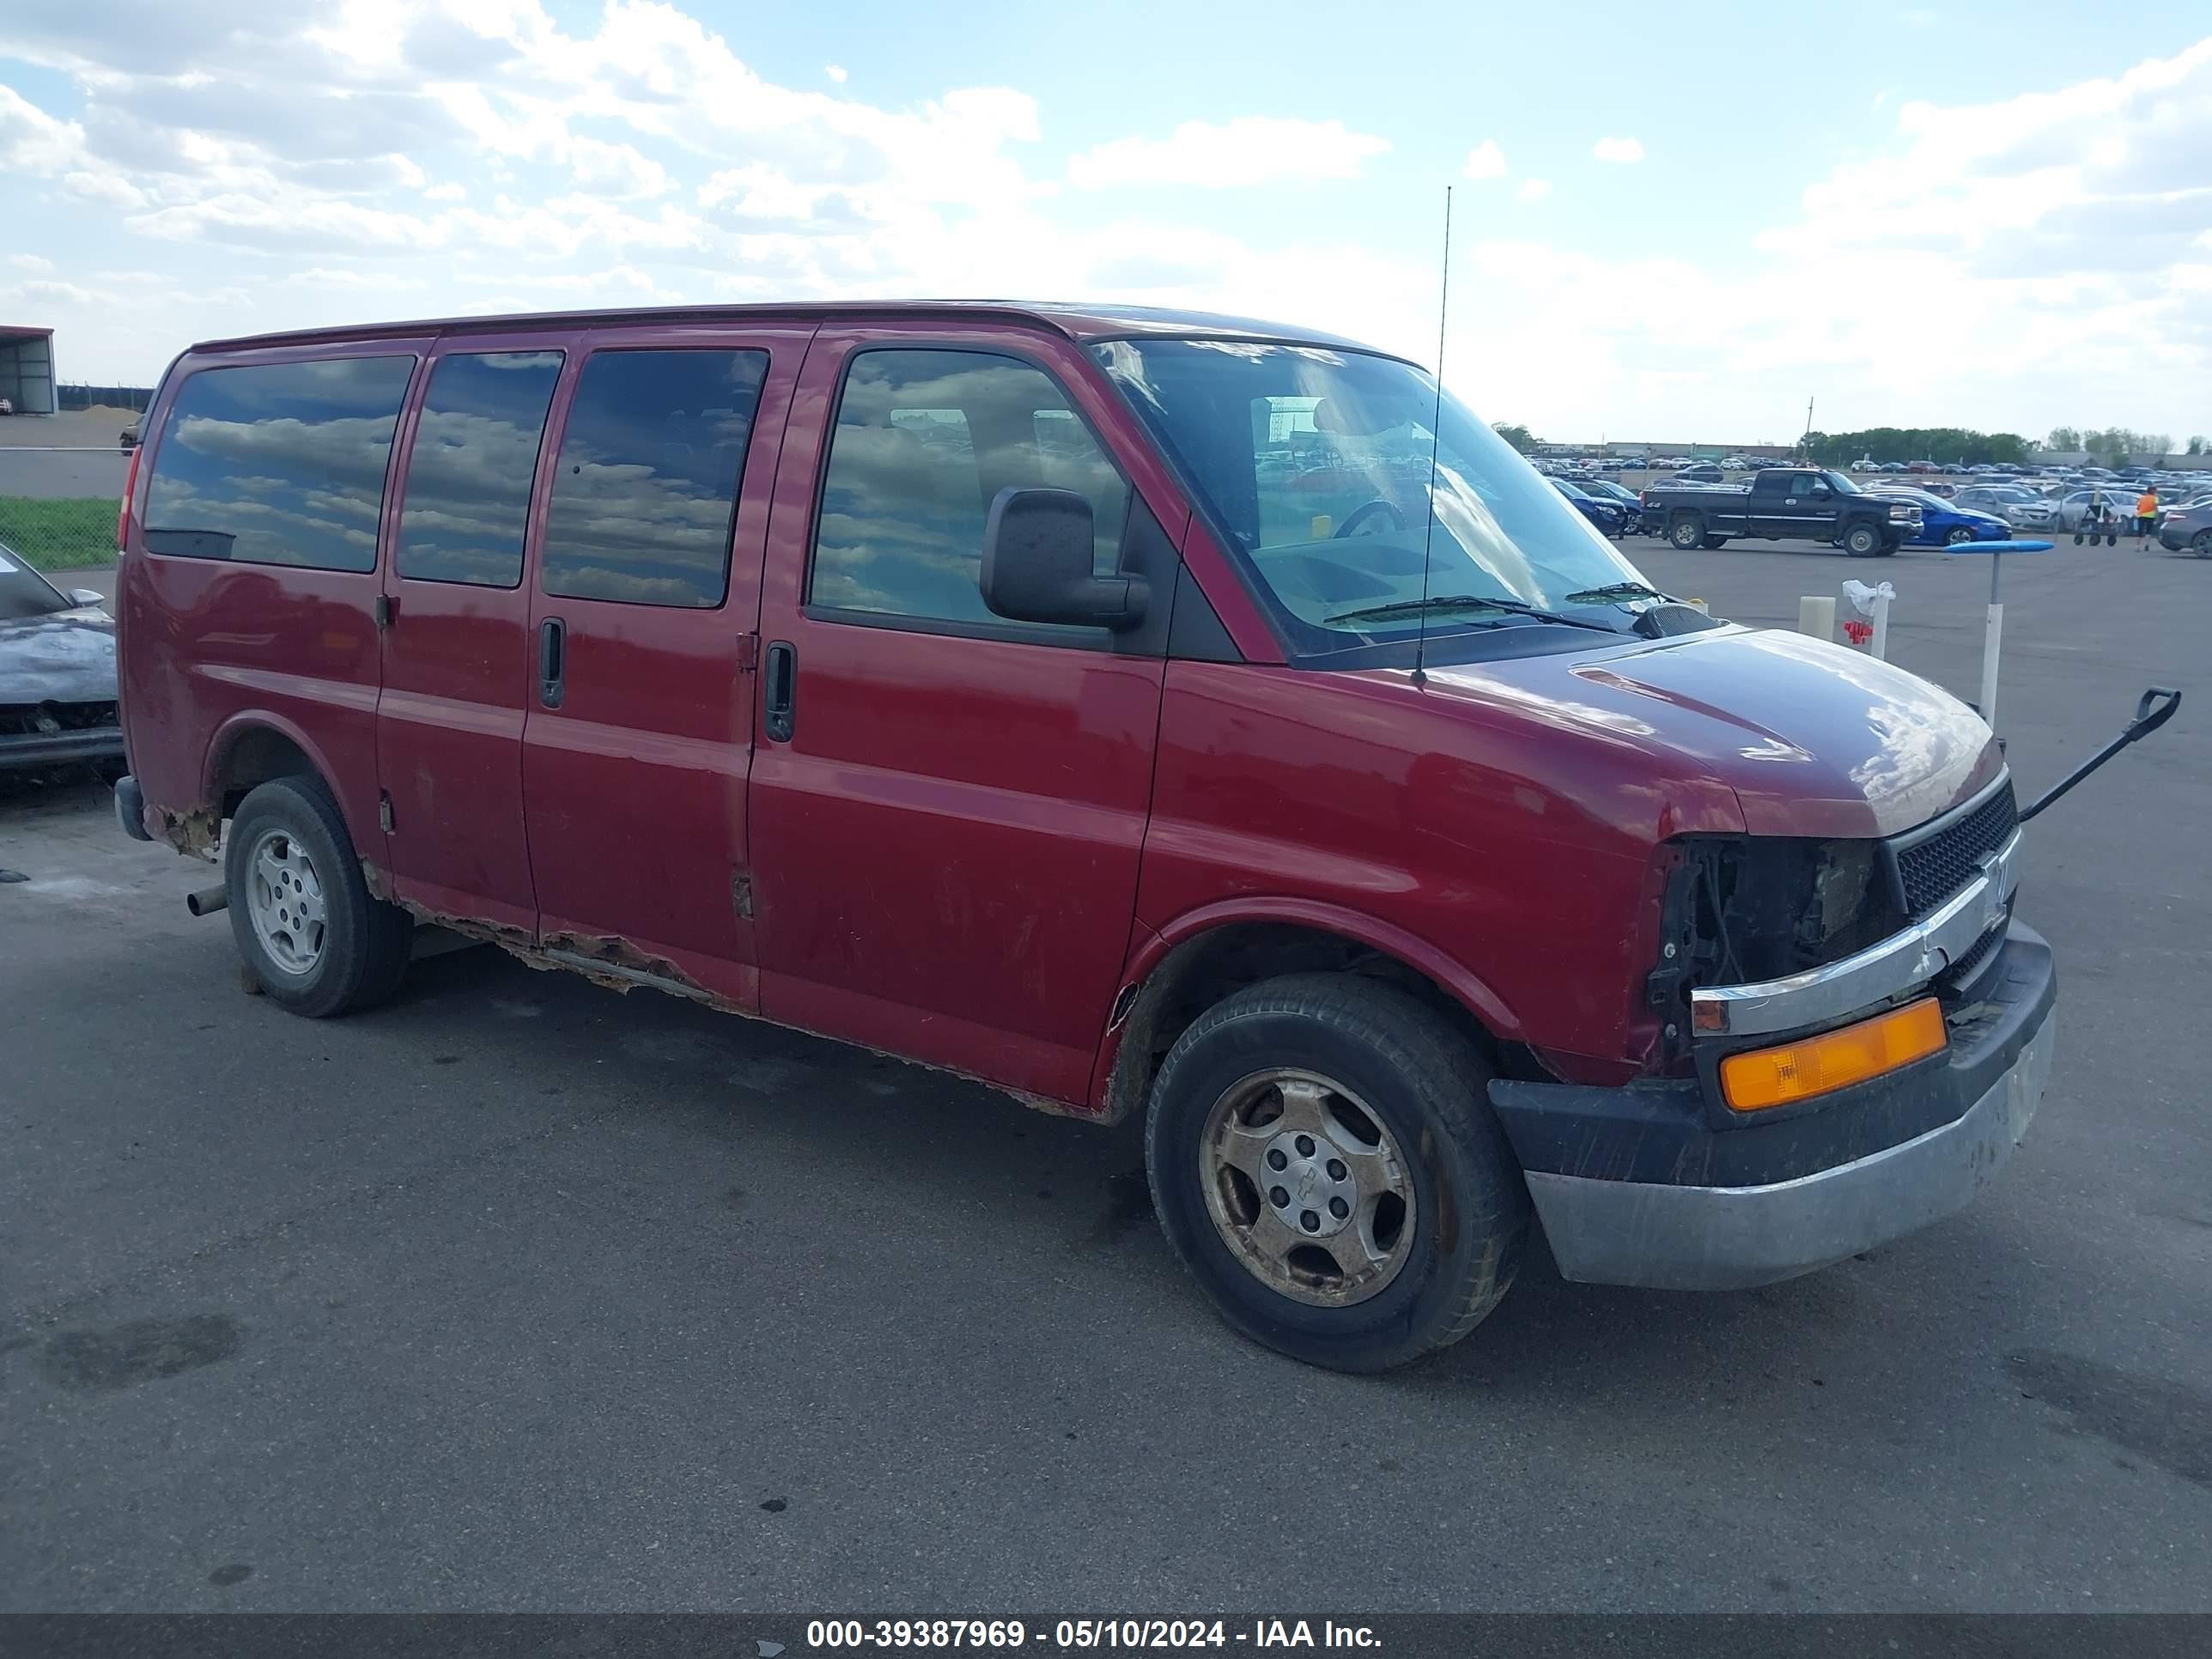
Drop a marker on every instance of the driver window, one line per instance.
(924, 440)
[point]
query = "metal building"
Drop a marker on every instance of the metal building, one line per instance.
(26, 369)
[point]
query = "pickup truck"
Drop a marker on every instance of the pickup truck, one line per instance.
(1783, 503)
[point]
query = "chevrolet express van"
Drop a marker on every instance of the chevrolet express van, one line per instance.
(1140, 713)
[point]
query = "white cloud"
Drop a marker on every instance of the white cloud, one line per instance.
(1625, 150)
(32, 140)
(267, 164)
(36, 263)
(836, 72)
(1252, 149)
(108, 187)
(620, 171)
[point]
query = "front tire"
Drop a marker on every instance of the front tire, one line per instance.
(1957, 535)
(1324, 1159)
(1862, 541)
(315, 940)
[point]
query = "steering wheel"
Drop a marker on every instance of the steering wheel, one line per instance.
(1359, 515)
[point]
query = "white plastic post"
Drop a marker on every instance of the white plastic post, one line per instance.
(1992, 638)
(1816, 615)
(1880, 644)
(1992, 641)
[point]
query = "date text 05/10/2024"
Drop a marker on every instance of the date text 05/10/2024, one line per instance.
(825, 1635)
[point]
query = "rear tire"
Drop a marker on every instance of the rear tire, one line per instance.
(1401, 1094)
(312, 936)
(2201, 543)
(1687, 532)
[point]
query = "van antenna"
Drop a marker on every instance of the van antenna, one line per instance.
(1435, 422)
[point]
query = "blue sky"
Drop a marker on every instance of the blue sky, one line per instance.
(1993, 215)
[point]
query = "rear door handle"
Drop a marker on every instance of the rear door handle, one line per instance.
(552, 661)
(781, 690)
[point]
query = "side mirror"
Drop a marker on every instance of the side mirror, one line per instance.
(1037, 564)
(87, 596)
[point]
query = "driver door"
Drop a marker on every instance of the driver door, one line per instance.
(946, 808)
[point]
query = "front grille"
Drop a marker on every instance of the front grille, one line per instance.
(46, 719)
(1961, 971)
(1937, 863)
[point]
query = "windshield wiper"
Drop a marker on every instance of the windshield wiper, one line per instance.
(1613, 591)
(1464, 602)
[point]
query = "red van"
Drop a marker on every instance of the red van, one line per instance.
(1138, 712)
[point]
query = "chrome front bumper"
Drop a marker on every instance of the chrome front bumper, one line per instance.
(1715, 1238)
(1903, 962)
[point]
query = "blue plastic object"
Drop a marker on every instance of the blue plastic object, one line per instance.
(2001, 547)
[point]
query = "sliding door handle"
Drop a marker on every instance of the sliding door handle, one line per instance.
(552, 661)
(780, 695)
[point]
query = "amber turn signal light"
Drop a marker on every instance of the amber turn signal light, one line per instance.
(1834, 1060)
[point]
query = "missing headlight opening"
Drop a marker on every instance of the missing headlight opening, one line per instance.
(1744, 910)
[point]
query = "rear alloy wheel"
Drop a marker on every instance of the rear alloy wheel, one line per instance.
(303, 918)
(1324, 1159)
(1862, 541)
(2201, 543)
(1687, 532)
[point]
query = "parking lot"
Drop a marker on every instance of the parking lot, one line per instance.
(520, 1294)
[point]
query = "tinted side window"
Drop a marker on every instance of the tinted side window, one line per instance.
(647, 479)
(924, 439)
(467, 498)
(278, 463)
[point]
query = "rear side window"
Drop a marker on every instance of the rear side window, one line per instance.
(469, 470)
(924, 440)
(278, 463)
(648, 480)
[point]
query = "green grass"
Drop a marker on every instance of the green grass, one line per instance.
(73, 533)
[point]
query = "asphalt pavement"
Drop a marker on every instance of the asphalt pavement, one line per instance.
(521, 1294)
(54, 475)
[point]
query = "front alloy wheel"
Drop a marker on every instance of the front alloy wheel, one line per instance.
(1323, 1157)
(1306, 1187)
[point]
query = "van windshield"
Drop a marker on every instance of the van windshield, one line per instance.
(1316, 462)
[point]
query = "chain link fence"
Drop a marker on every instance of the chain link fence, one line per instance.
(66, 534)
(77, 396)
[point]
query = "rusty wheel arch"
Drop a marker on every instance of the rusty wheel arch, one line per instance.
(1203, 969)
(249, 754)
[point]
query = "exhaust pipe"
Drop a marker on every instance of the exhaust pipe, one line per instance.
(207, 901)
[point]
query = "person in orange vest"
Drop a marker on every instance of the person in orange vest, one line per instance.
(2146, 514)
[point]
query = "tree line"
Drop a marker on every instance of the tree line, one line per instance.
(2117, 442)
(1949, 443)
(1954, 444)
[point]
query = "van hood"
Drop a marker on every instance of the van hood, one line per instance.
(1813, 739)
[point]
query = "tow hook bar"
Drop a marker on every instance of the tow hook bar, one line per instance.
(2153, 710)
